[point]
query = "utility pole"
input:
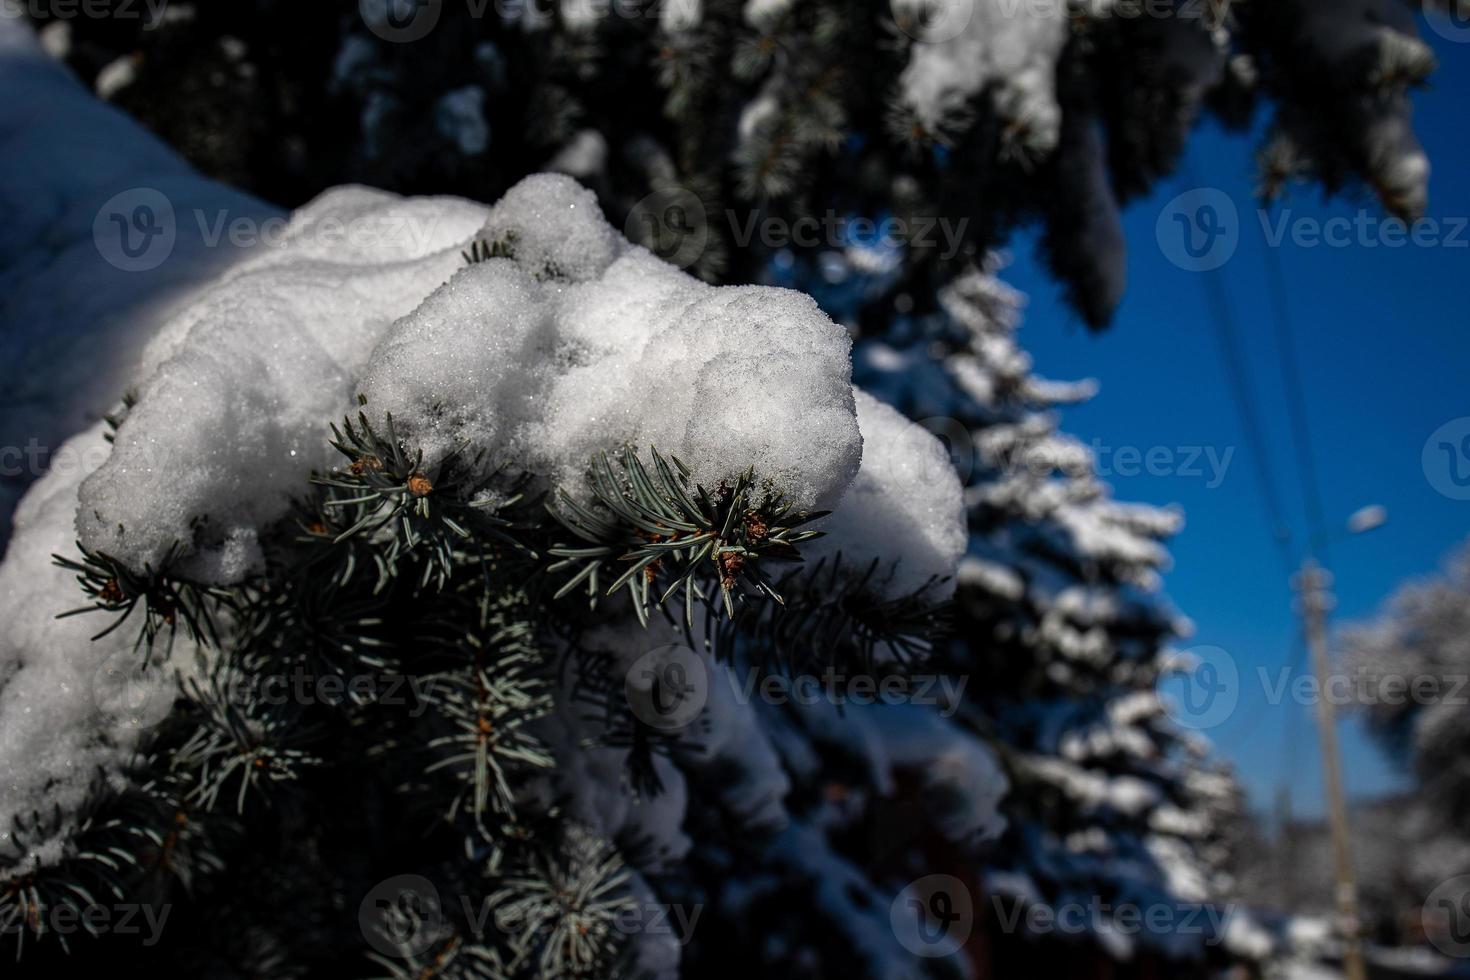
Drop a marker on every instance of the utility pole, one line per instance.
(1312, 582)
(1285, 849)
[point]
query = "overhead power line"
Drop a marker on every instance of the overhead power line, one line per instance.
(1296, 405)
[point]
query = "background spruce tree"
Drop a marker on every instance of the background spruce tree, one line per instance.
(1410, 665)
(1061, 629)
(1055, 112)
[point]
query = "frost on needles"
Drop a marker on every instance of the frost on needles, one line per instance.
(422, 446)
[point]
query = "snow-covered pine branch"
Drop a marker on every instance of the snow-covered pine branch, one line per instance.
(512, 372)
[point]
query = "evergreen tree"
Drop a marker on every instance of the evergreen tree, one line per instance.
(1409, 666)
(1060, 627)
(987, 113)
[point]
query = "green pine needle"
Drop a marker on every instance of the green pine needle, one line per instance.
(651, 532)
(164, 599)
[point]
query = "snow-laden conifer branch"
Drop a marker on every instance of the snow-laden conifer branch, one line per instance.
(423, 549)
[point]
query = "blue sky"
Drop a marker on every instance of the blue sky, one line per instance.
(1385, 360)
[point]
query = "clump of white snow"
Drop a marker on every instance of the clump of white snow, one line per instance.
(906, 508)
(70, 706)
(239, 386)
(681, 15)
(1373, 46)
(462, 364)
(584, 155)
(555, 228)
(581, 342)
(577, 343)
(763, 13)
(1011, 47)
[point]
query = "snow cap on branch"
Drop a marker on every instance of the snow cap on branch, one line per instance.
(569, 342)
(969, 46)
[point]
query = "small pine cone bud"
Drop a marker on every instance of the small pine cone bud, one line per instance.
(111, 592)
(364, 463)
(419, 485)
(730, 563)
